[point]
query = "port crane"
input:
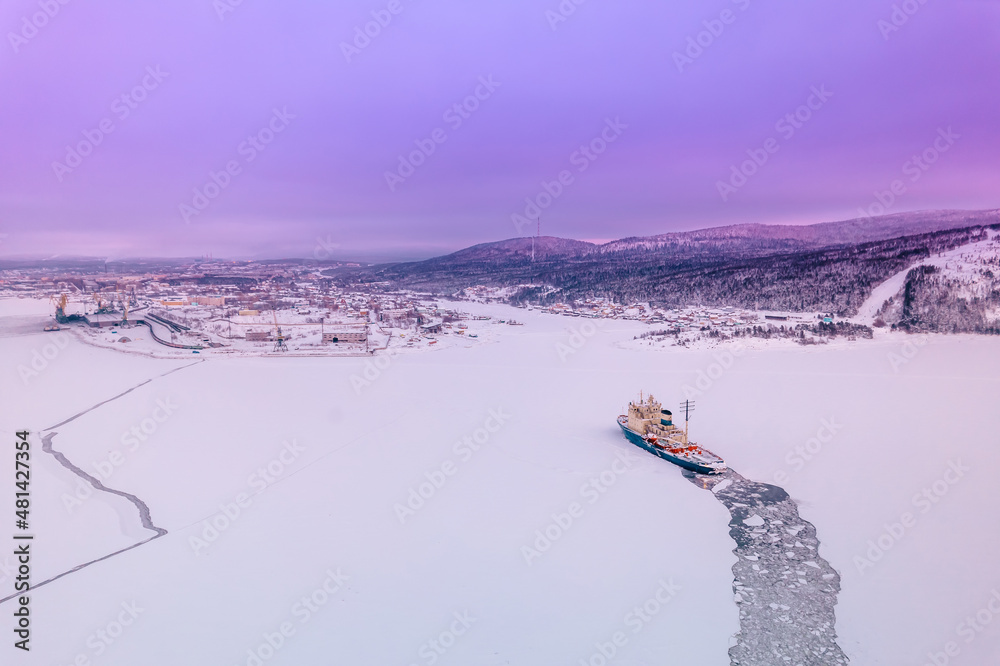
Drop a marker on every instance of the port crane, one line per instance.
(104, 306)
(279, 341)
(60, 303)
(124, 304)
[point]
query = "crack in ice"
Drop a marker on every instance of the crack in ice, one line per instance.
(144, 513)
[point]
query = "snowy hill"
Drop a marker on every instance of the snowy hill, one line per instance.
(824, 234)
(954, 291)
(831, 267)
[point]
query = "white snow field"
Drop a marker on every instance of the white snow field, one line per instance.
(316, 558)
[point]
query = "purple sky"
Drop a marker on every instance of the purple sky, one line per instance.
(320, 189)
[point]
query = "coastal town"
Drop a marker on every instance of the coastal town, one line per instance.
(263, 308)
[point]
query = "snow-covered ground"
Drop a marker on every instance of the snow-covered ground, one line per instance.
(311, 470)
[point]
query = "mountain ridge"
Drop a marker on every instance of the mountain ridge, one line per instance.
(828, 267)
(749, 239)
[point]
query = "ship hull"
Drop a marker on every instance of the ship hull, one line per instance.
(638, 440)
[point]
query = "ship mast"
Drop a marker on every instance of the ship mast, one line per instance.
(688, 407)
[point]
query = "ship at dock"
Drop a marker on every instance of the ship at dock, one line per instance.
(650, 427)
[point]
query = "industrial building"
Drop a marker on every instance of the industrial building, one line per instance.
(433, 327)
(345, 336)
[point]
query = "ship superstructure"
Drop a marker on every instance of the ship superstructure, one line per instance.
(649, 426)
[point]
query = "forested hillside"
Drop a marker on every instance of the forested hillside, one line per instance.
(713, 267)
